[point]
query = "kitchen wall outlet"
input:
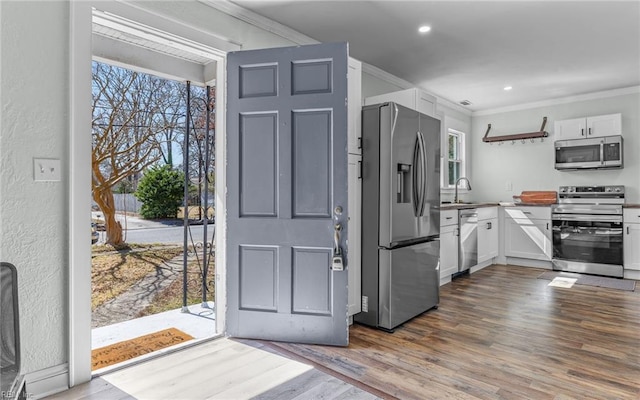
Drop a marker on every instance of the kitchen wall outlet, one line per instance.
(46, 169)
(508, 187)
(365, 304)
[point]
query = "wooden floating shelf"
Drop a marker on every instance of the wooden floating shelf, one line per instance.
(518, 136)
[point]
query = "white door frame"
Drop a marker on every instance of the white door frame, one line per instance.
(79, 174)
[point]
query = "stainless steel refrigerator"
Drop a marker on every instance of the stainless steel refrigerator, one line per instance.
(400, 214)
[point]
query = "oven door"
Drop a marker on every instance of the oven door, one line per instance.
(588, 239)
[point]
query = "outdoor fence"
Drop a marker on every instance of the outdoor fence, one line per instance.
(127, 202)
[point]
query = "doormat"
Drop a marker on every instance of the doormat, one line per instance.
(128, 349)
(591, 280)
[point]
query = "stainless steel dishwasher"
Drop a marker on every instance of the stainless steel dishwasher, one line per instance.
(468, 239)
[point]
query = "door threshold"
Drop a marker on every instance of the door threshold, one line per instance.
(152, 356)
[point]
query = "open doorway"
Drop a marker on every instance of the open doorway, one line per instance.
(152, 262)
(153, 180)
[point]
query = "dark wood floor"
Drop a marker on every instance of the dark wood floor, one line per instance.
(499, 333)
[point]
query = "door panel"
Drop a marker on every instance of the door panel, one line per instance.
(310, 265)
(312, 164)
(286, 191)
(258, 167)
(258, 269)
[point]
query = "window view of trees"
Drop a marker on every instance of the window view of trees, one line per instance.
(139, 121)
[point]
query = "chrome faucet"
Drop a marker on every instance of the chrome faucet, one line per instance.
(455, 198)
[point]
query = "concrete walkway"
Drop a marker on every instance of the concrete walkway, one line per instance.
(127, 305)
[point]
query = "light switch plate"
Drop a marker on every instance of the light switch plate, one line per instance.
(46, 169)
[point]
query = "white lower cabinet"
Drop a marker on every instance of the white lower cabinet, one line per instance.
(354, 234)
(527, 232)
(488, 238)
(448, 243)
(631, 241)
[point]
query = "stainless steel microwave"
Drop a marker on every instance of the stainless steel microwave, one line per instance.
(592, 153)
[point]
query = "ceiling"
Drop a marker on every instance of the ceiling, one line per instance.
(543, 49)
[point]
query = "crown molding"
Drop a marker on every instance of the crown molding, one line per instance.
(259, 21)
(386, 76)
(563, 100)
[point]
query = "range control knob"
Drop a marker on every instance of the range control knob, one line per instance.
(571, 190)
(609, 190)
(618, 190)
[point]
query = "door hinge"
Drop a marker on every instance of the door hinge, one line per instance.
(359, 169)
(365, 304)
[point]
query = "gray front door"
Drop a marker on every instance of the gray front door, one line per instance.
(286, 192)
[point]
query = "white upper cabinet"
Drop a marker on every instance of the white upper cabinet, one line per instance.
(570, 129)
(354, 76)
(604, 125)
(415, 99)
(588, 127)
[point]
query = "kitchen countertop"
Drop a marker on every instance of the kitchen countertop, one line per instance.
(466, 206)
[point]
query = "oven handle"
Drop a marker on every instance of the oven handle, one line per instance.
(586, 218)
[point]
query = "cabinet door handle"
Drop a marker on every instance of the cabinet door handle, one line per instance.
(582, 132)
(547, 226)
(589, 131)
(360, 142)
(488, 225)
(628, 232)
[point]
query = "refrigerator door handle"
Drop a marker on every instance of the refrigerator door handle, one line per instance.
(423, 168)
(415, 191)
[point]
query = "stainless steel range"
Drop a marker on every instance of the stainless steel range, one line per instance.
(587, 230)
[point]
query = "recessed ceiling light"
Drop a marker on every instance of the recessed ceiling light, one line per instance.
(424, 29)
(507, 88)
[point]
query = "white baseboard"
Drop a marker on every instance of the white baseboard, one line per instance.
(445, 279)
(631, 274)
(482, 265)
(48, 381)
(525, 262)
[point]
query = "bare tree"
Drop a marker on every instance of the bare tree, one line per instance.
(131, 111)
(198, 171)
(173, 103)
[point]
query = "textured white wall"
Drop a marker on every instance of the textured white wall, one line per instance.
(530, 166)
(34, 121)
